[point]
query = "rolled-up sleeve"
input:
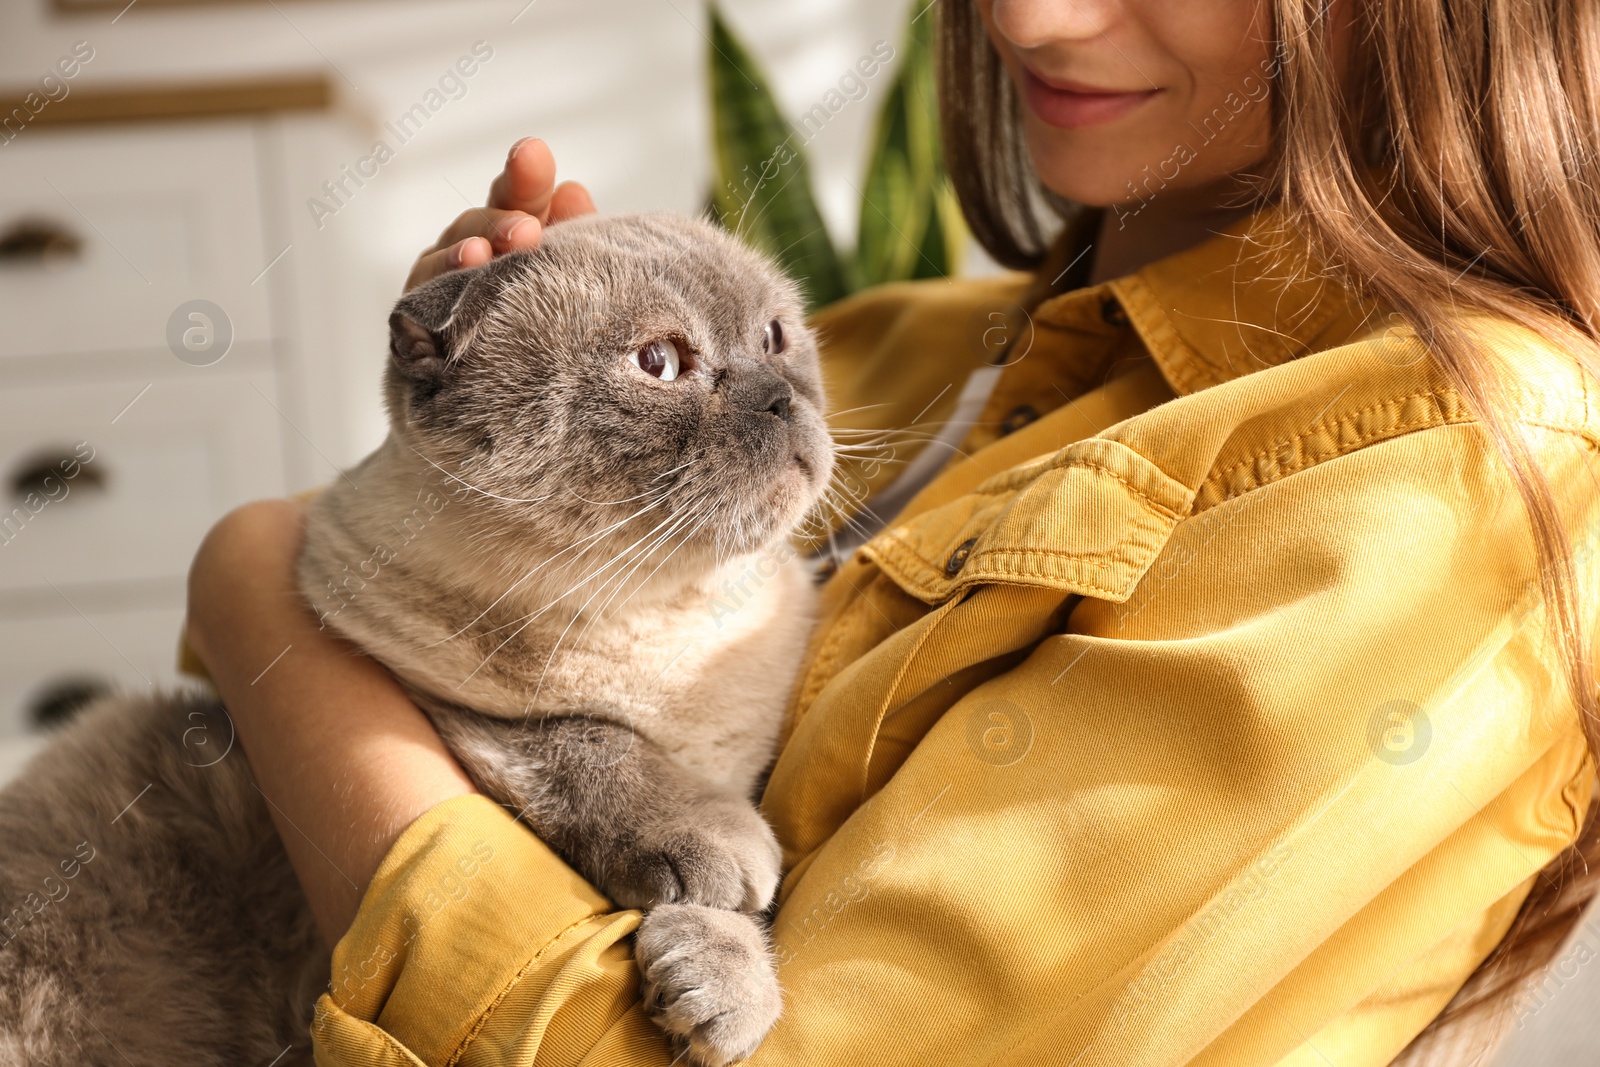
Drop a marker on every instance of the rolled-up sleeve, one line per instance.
(477, 945)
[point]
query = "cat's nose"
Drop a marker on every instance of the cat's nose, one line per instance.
(780, 405)
(771, 394)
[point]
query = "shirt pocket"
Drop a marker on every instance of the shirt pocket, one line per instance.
(1089, 519)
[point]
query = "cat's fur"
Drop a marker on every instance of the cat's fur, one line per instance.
(545, 552)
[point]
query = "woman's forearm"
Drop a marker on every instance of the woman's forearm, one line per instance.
(344, 758)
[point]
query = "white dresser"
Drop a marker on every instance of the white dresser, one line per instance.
(153, 374)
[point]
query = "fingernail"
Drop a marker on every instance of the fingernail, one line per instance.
(517, 148)
(454, 258)
(524, 226)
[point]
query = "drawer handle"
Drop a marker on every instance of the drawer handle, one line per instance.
(50, 472)
(38, 241)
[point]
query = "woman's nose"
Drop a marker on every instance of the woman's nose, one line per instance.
(1039, 23)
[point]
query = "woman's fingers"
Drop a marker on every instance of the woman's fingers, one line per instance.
(506, 231)
(569, 201)
(522, 200)
(472, 252)
(518, 231)
(527, 180)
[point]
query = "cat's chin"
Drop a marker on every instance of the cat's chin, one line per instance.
(794, 490)
(772, 513)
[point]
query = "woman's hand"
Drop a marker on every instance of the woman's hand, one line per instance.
(344, 758)
(522, 201)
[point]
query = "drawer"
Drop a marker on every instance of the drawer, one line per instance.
(162, 471)
(159, 216)
(119, 648)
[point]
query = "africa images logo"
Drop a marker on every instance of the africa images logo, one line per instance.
(1398, 732)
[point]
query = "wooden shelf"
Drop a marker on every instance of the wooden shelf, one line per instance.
(69, 7)
(145, 102)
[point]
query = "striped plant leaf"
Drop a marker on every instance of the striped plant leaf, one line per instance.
(910, 224)
(763, 189)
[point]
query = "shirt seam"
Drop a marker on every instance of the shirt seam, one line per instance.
(1440, 417)
(1068, 463)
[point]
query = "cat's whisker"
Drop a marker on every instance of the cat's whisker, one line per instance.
(579, 614)
(644, 556)
(592, 543)
(852, 411)
(883, 437)
(591, 576)
(617, 557)
(869, 452)
(919, 421)
(831, 500)
(805, 236)
(710, 513)
(609, 503)
(852, 524)
(476, 489)
(585, 544)
(846, 505)
(771, 200)
(885, 444)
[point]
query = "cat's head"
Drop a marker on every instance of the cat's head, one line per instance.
(633, 377)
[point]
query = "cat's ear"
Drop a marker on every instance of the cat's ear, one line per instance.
(419, 327)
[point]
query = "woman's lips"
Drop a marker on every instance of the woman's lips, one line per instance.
(1073, 108)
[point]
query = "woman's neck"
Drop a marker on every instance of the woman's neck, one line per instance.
(1168, 223)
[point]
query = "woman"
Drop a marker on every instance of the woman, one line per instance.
(1224, 701)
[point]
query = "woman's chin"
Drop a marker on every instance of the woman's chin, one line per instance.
(1080, 170)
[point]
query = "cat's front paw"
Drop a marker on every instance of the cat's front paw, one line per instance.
(719, 852)
(708, 980)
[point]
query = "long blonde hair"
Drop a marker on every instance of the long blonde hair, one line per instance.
(1461, 175)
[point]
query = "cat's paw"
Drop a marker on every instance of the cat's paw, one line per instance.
(708, 980)
(719, 852)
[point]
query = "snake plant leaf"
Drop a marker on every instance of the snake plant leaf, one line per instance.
(910, 225)
(763, 186)
(944, 239)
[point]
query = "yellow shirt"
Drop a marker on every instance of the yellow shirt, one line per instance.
(1200, 713)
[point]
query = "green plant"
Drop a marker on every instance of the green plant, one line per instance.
(910, 226)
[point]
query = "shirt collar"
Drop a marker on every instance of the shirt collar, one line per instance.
(1251, 297)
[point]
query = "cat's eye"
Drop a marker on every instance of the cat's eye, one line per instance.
(659, 359)
(772, 339)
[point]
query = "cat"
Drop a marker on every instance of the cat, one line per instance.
(589, 443)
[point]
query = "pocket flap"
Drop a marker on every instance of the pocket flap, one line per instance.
(1089, 519)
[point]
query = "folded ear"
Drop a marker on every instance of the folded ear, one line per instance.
(420, 327)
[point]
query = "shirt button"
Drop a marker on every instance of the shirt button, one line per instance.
(1111, 311)
(1019, 417)
(958, 558)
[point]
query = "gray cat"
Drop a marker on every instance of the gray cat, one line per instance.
(589, 443)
